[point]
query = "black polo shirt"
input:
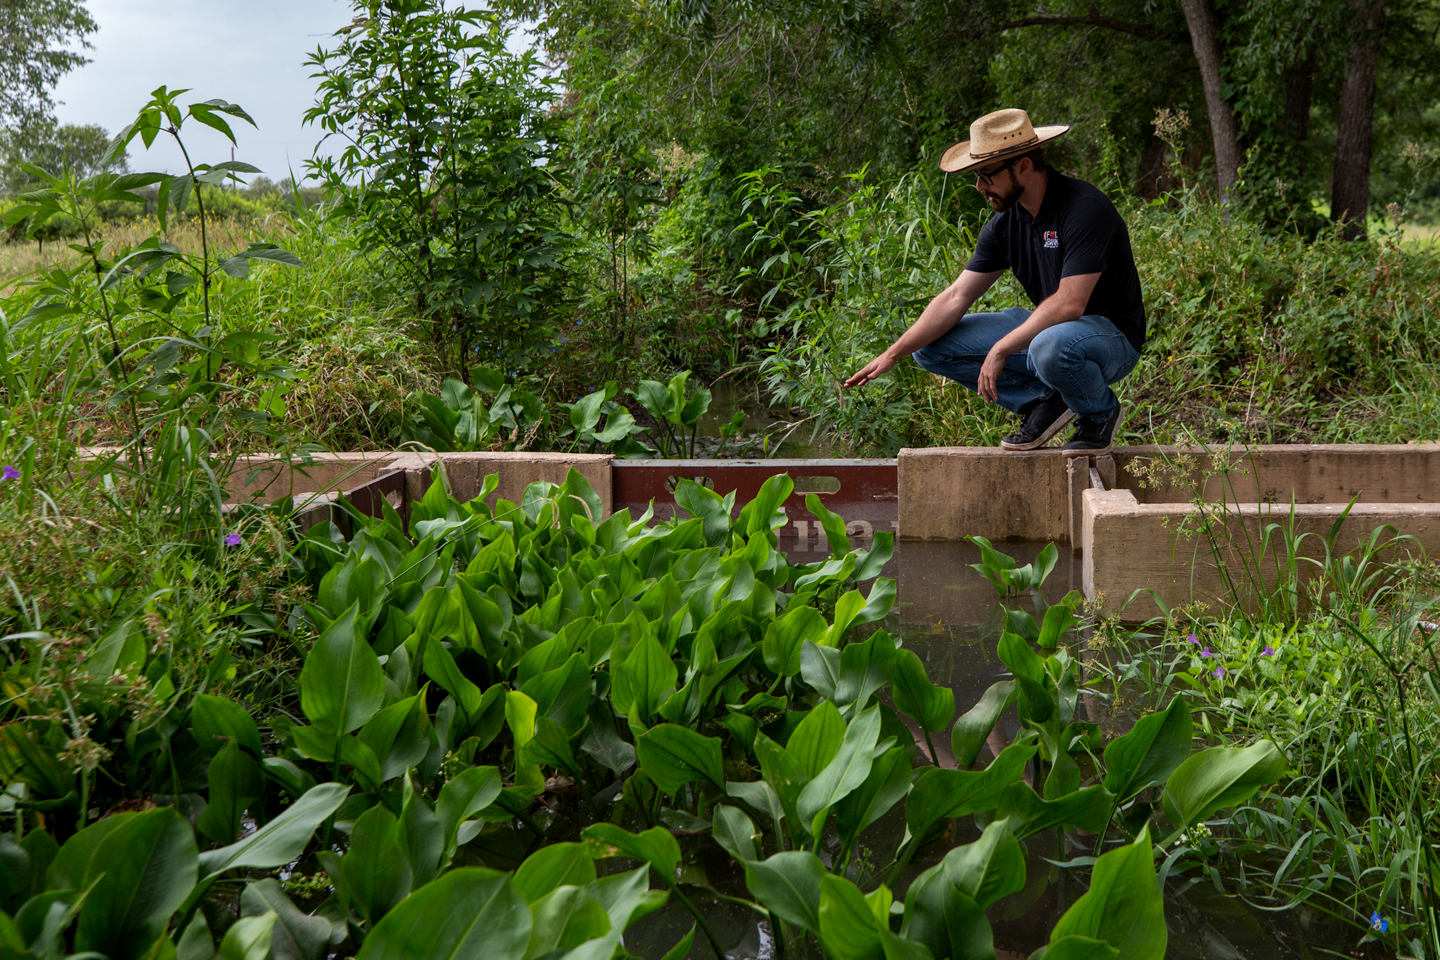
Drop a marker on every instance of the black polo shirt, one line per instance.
(1078, 231)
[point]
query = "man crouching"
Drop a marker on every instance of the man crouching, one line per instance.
(1070, 250)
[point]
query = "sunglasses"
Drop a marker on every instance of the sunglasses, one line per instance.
(989, 178)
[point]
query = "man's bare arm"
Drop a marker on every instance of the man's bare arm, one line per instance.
(935, 320)
(1066, 303)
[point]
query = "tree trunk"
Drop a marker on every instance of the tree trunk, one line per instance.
(1205, 37)
(1299, 81)
(1350, 184)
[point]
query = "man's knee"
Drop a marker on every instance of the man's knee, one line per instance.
(1048, 352)
(928, 359)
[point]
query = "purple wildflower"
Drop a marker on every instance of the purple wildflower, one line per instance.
(11, 472)
(232, 540)
(1269, 651)
(1218, 671)
(1191, 639)
(1207, 652)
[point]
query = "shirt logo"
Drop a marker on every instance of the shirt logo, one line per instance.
(1052, 239)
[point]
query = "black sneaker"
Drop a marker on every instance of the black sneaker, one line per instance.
(1043, 419)
(1092, 437)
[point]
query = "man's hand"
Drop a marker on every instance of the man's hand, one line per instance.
(990, 371)
(878, 367)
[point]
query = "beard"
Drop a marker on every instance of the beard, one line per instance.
(1002, 198)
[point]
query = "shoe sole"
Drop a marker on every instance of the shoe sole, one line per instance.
(1099, 451)
(1061, 422)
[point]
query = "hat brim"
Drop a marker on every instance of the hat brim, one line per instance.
(958, 159)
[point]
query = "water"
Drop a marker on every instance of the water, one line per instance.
(948, 615)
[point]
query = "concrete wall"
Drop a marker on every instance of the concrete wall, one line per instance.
(949, 493)
(1311, 473)
(266, 478)
(1130, 545)
(465, 472)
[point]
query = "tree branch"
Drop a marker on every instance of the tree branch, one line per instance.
(1094, 18)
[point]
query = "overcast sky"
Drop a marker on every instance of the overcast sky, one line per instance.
(252, 54)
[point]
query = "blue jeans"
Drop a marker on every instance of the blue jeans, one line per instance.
(1079, 358)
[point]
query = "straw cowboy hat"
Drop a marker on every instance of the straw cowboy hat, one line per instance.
(995, 136)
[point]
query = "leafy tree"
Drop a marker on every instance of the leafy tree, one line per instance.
(54, 149)
(447, 136)
(36, 50)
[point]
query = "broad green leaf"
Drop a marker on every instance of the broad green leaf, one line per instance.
(296, 936)
(1076, 948)
(820, 668)
(465, 795)
(1059, 619)
(887, 785)
(342, 683)
(1124, 905)
(655, 846)
(785, 636)
(948, 922)
(644, 681)
(146, 868)
(249, 938)
(72, 867)
(709, 506)
(930, 706)
(734, 831)
(1150, 752)
(844, 773)
(674, 755)
(878, 602)
(847, 608)
(760, 796)
(550, 747)
(555, 865)
(627, 897)
(974, 726)
(788, 884)
(564, 919)
(398, 736)
(469, 912)
(1219, 777)
(817, 739)
(1088, 809)
(990, 868)
(941, 794)
(563, 694)
(864, 668)
(236, 780)
(440, 666)
(848, 930)
(215, 720)
(1035, 695)
(377, 872)
(832, 523)
(282, 839)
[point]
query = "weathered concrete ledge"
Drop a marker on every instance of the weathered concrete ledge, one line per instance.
(1308, 473)
(950, 493)
(265, 478)
(1129, 545)
(465, 473)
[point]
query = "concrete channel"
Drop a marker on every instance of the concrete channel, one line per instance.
(1185, 523)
